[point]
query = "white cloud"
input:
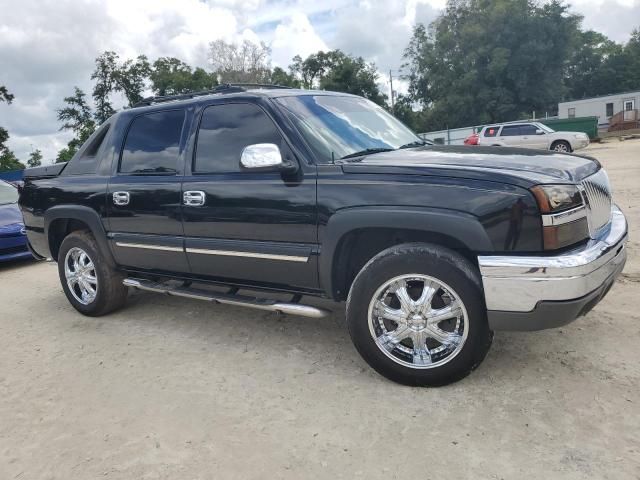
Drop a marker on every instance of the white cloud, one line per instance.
(614, 18)
(295, 36)
(48, 46)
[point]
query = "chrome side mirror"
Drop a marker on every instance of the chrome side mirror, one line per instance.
(263, 156)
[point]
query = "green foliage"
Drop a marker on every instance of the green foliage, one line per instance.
(35, 158)
(5, 96)
(8, 161)
(77, 117)
(597, 66)
(337, 71)
(490, 60)
(68, 152)
(403, 110)
(171, 76)
(103, 75)
(280, 77)
(111, 76)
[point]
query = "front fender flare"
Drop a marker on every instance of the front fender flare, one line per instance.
(463, 227)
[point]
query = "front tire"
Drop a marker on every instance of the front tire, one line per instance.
(90, 284)
(416, 314)
(561, 146)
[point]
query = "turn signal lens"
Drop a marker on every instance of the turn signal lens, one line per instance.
(556, 198)
(560, 236)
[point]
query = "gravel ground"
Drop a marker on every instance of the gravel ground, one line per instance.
(178, 389)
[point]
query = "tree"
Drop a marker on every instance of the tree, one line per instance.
(352, 75)
(245, 62)
(403, 110)
(631, 58)
(130, 77)
(5, 96)
(280, 77)
(596, 67)
(77, 117)
(104, 77)
(490, 60)
(35, 158)
(335, 70)
(111, 76)
(171, 76)
(8, 160)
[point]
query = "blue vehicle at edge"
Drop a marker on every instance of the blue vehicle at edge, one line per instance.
(13, 237)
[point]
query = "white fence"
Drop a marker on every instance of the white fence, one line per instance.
(453, 136)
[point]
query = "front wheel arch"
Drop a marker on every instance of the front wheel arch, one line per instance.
(463, 232)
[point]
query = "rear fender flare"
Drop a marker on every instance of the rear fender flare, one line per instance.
(86, 215)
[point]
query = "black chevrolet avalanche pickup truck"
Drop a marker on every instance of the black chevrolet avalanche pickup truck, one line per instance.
(313, 193)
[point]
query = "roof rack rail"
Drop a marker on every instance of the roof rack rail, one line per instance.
(223, 88)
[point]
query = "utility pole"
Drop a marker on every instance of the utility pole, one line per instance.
(391, 85)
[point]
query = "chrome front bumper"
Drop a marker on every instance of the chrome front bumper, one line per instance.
(535, 292)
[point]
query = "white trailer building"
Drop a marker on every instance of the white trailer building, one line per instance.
(603, 107)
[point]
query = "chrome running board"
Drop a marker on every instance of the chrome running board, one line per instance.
(227, 298)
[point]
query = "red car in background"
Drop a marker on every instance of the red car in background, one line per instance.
(471, 139)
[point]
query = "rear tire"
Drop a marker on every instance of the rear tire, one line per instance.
(434, 336)
(561, 146)
(90, 284)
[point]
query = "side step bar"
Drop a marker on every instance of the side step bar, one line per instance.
(227, 298)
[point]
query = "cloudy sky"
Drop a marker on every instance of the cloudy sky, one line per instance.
(48, 46)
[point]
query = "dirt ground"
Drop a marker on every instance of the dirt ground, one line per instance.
(178, 389)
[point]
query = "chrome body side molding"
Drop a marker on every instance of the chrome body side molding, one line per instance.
(231, 253)
(148, 246)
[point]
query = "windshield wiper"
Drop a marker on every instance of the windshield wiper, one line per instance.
(367, 151)
(417, 143)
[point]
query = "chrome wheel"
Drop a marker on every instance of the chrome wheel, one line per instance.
(418, 321)
(561, 147)
(80, 274)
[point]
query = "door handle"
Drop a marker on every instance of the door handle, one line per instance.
(121, 198)
(193, 198)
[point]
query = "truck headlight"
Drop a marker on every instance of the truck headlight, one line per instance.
(564, 216)
(556, 198)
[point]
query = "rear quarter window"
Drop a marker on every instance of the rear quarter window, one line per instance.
(89, 157)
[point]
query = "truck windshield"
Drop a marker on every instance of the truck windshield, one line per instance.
(8, 193)
(339, 126)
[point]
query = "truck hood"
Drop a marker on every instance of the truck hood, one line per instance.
(512, 165)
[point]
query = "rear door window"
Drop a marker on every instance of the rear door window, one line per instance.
(152, 145)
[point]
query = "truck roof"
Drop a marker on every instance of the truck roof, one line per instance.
(228, 90)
